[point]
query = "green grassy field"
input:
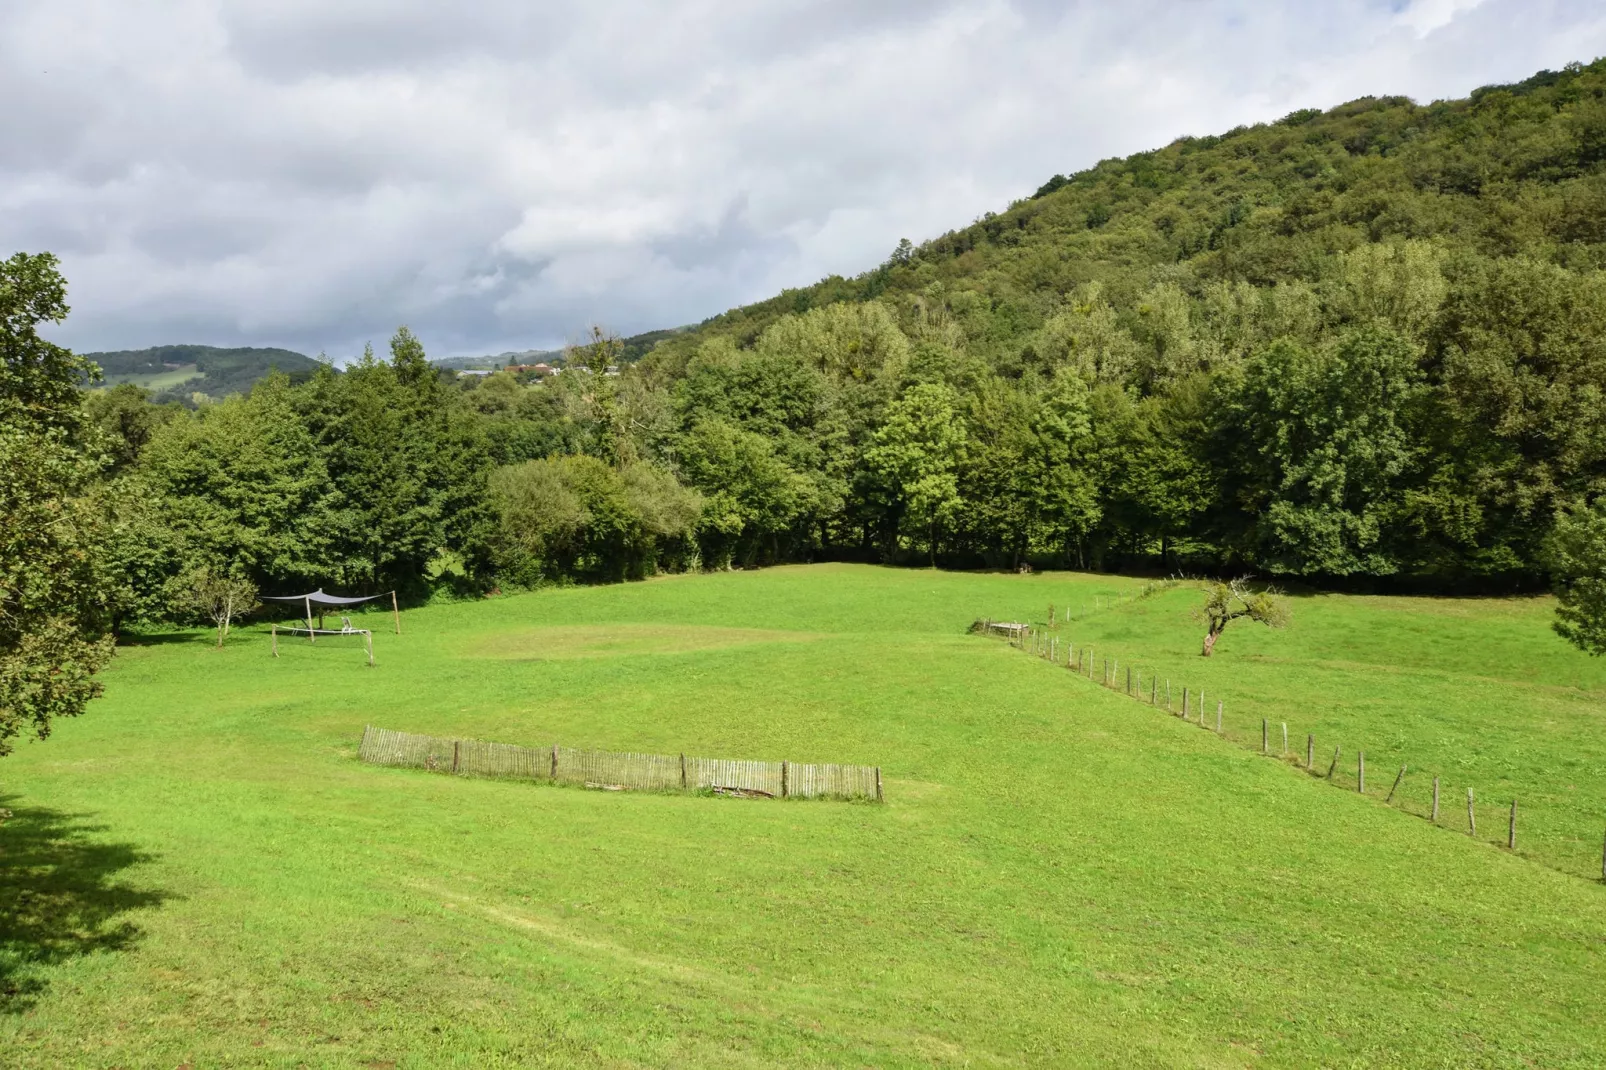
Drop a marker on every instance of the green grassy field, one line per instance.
(199, 871)
(155, 382)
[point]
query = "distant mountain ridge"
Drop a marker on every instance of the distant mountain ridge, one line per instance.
(635, 347)
(179, 371)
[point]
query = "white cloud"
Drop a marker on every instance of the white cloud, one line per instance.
(499, 174)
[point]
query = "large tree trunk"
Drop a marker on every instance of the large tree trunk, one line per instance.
(1210, 642)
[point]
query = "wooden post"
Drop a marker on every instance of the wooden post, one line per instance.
(395, 611)
(1435, 817)
(1285, 739)
(1511, 830)
(1168, 696)
(1333, 768)
(878, 784)
(275, 640)
(1472, 816)
(1201, 707)
(1396, 786)
(682, 771)
(1184, 703)
(783, 779)
(1603, 859)
(1129, 679)
(1219, 705)
(456, 746)
(554, 761)
(1154, 688)
(1360, 773)
(1263, 735)
(1310, 752)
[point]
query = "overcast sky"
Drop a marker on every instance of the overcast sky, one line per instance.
(500, 174)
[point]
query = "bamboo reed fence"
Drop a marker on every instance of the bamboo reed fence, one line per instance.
(620, 770)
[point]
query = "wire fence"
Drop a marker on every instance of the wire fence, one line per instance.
(621, 770)
(1271, 740)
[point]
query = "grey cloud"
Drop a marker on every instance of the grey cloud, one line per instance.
(499, 174)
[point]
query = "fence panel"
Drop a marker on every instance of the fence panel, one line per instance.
(479, 758)
(831, 781)
(734, 774)
(618, 769)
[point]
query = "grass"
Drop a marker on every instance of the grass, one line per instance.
(1478, 692)
(200, 872)
(156, 382)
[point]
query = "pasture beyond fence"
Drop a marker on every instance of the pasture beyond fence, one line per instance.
(620, 770)
(1057, 650)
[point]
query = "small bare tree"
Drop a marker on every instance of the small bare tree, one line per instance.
(1226, 602)
(219, 596)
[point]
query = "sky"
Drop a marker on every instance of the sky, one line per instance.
(501, 174)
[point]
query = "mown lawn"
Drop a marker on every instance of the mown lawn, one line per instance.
(199, 871)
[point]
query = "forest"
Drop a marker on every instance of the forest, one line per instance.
(1358, 347)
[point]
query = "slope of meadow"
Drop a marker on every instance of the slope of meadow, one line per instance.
(199, 871)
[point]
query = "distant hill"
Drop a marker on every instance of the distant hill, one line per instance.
(182, 370)
(635, 347)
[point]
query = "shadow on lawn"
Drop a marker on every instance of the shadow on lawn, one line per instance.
(58, 897)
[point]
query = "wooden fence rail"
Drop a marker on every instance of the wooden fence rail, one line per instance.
(620, 769)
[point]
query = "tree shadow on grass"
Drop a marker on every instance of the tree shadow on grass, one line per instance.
(59, 898)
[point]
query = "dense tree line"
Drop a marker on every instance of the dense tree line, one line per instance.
(1364, 344)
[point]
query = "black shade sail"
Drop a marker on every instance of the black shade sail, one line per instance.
(318, 598)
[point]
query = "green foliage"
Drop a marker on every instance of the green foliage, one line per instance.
(1328, 443)
(576, 517)
(914, 458)
(1237, 600)
(220, 372)
(217, 596)
(53, 595)
(1577, 559)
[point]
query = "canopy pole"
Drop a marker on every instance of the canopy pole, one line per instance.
(396, 610)
(311, 638)
(275, 640)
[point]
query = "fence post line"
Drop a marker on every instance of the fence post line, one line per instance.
(457, 745)
(1285, 739)
(878, 784)
(1435, 800)
(1263, 735)
(683, 771)
(1154, 687)
(1310, 752)
(1511, 831)
(1360, 774)
(1219, 705)
(554, 761)
(1332, 768)
(1472, 816)
(1201, 707)
(1396, 786)
(783, 778)
(1129, 680)
(1184, 703)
